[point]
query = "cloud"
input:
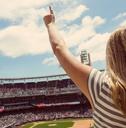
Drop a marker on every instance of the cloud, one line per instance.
(17, 41)
(95, 46)
(73, 13)
(50, 61)
(27, 37)
(77, 34)
(84, 36)
(92, 22)
(123, 24)
(14, 9)
(30, 36)
(120, 15)
(73, 38)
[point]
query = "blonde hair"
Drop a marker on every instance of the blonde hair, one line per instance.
(116, 67)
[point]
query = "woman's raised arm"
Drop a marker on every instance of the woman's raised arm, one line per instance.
(77, 71)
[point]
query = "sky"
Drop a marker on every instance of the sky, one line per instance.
(25, 49)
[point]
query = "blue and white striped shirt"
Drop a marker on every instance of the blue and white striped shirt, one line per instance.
(105, 115)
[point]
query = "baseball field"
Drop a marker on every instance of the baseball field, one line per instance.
(67, 123)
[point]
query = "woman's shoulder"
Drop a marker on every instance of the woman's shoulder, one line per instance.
(106, 86)
(100, 77)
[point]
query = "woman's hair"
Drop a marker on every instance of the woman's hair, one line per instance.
(116, 66)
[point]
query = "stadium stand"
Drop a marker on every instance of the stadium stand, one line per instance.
(37, 99)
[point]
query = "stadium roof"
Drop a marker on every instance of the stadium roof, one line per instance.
(34, 79)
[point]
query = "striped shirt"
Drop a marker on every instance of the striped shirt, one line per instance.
(105, 114)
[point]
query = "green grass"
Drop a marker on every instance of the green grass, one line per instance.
(56, 125)
(62, 123)
(50, 124)
(28, 125)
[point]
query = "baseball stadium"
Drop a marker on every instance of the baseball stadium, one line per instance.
(44, 102)
(51, 52)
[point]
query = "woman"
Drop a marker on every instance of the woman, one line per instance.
(105, 91)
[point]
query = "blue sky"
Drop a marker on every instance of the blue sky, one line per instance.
(25, 50)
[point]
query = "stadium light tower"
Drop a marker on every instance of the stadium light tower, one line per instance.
(85, 57)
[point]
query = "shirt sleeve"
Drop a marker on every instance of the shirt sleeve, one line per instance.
(94, 84)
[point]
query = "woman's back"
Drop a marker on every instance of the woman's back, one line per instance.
(106, 114)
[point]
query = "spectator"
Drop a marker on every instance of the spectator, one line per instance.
(105, 91)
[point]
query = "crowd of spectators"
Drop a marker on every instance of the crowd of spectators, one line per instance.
(40, 88)
(27, 96)
(17, 119)
(29, 101)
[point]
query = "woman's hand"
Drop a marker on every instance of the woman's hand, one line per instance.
(49, 19)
